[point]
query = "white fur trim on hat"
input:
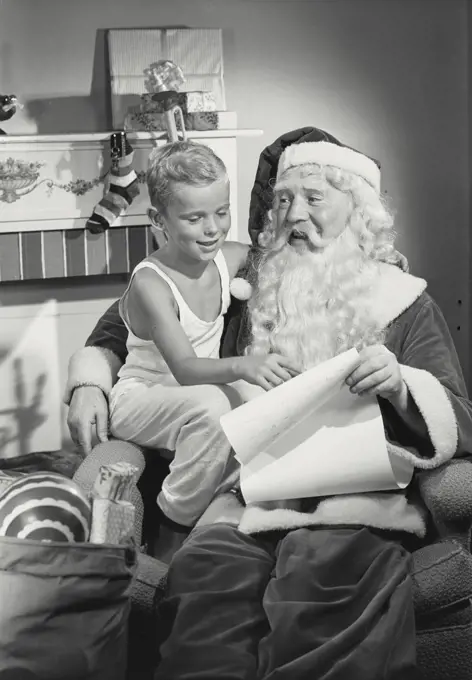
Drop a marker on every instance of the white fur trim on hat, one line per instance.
(326, 153)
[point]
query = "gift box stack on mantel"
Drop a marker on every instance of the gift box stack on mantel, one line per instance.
(136, 104)
(51, 185)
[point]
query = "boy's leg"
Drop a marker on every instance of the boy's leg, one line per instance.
(185, 420)
(339, 606)
(213, 606)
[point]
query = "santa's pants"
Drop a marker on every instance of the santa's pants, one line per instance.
(311, 604)
(185, 421)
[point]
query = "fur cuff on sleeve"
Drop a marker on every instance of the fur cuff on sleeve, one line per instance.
(95, 366)
(434, 405)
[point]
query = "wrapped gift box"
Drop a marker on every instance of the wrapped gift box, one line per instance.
(203, 120)
(198, 52)
(189, 102)
(112, 522)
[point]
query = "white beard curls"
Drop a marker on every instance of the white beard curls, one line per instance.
(310, 306)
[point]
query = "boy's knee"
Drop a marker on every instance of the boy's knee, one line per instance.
(212, 404)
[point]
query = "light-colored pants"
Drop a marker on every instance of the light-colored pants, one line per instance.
(185, 420)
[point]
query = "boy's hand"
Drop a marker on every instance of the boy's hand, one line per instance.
(267, 371)
(377, 373)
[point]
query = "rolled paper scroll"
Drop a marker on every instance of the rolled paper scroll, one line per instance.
(113, 515)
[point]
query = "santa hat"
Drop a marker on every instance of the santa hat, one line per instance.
(327, 153)
(305, 145)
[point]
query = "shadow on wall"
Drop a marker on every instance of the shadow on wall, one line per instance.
(81, 113)
(24, 417)
(54, 114)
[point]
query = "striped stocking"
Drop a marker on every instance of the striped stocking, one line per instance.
(123, 186)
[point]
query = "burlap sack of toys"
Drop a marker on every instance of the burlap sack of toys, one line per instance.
(64, 606)
(64, 610)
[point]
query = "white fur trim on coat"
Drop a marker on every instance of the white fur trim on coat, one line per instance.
(393, 293)
(94, 366)
(438, 414)
(326, 153)
(389, 511)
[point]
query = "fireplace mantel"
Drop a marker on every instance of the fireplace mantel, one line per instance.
(49, 186)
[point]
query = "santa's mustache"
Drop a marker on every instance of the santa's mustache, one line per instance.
(293, 234)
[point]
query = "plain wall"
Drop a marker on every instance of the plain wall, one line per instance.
(387, 76)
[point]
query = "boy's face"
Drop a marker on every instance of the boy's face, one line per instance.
(197, 219)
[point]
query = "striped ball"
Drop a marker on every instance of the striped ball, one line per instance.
(45, 506)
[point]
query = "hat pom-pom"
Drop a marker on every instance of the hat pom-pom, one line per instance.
(240, 289)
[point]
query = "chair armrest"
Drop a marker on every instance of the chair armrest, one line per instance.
(447, 493)
(114, 451)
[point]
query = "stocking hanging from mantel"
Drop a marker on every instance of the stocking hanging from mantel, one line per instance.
(123, 187)
(163, 79)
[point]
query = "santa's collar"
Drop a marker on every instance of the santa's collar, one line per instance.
(393, 293)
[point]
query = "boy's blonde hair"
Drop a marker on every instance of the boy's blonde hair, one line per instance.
(185, 162)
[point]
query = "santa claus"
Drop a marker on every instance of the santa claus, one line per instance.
(320, 588)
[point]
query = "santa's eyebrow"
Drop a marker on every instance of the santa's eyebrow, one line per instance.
(281, 186)
(312, 190)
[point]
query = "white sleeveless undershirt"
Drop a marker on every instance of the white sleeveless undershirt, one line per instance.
(144, 360)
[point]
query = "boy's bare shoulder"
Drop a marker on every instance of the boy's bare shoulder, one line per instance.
(235, 255)
(147, 286)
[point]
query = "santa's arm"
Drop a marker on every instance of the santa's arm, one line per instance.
(410, 415)
(100, 360)
(435, 389)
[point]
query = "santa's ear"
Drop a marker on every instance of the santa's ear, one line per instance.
(240, 288)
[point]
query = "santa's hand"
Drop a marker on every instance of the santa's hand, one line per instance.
(267, 371)
(88, 411)
(377, 373)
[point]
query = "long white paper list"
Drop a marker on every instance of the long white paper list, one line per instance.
(311, 437)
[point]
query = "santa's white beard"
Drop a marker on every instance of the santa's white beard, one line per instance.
(310, 305)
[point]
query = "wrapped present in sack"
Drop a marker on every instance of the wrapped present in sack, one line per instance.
(113, 514)
(64, 604)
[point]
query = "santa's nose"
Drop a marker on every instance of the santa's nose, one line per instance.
(297, 211)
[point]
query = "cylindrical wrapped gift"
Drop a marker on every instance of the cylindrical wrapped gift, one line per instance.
(112, 522)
